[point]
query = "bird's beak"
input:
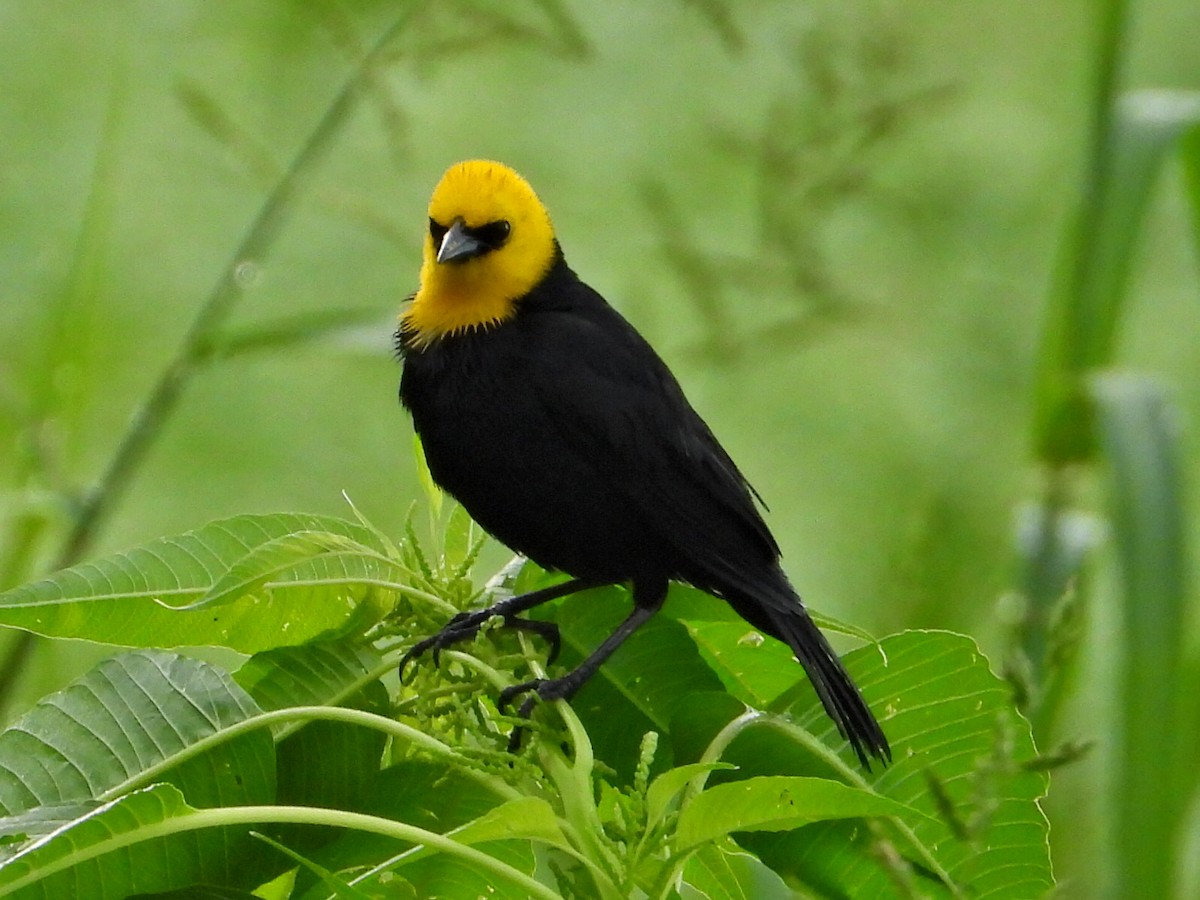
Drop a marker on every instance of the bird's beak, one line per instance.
(459, 244)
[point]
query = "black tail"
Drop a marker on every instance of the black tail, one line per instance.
(837, 692)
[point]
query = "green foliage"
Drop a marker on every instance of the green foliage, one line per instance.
(358, 782)
(181, 591)
(1159, 718)
(88, 728)
(834, 219)
(1088, 411)
(1138, 133)
(964, 772)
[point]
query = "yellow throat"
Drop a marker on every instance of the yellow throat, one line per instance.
(486, 289)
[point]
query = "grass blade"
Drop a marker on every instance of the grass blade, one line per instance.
(1156, 761)
(1090, 297)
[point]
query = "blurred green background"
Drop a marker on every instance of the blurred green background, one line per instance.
(838, 222)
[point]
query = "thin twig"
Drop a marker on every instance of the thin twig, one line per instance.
(151, 415)
(196, 347)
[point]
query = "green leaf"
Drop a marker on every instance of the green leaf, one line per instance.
(666, 787)
(177, 843)
(334, 764)
(123, 598)
(717, 873)
(459, 541)
(124, 847)
(431, 795)
(321, 763)
(775, 803)
(506, 829)
(1191, 174)
(321, 674)
(214, 892)
(133, 719)
(529, 817)
(444, 876)
(274, 559)
(838, 626)
(1156, 773)
(689, 604)
(1148, 126)
(103, 732)
(433, 494)
(753, 668)
(337, 887)
(949, 719)
(41, 820)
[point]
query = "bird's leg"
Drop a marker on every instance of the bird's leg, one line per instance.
(646, 603)
(465, 625)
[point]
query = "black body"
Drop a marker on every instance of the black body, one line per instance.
(566, 437)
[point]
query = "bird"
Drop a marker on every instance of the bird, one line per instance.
(559, 429)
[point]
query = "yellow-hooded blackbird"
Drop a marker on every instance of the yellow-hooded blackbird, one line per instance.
(559, 429)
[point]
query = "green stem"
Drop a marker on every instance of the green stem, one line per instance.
(1050, 566)
(403, 589)
(203, 332)
(716, 749)
(853, 777)
(712, 753)
(581, 819)
(1095, 348)
(495, 677)
(390, 727)
(15, 562)
(293, 815)
(1081, 325)
(573, 781)
(1098, 185)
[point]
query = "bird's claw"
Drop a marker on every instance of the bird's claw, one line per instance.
(465, 625)
(514, 690)
(544, 689)
(415, 651)
(533, 688)
(462, 627)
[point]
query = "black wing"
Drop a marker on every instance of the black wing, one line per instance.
(615, 403)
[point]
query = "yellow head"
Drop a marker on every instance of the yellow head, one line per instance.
(489, 243)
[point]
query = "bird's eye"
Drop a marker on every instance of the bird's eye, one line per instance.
(494, 234)
(437, 231)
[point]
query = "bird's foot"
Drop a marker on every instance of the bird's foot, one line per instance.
(464, 627)
(546, 689)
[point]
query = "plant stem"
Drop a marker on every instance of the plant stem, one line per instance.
(1081, 321)
(196, 348)
(193, 820)
(305, 714)
(204, 330)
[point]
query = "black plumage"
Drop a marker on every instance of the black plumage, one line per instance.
(565, 436)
